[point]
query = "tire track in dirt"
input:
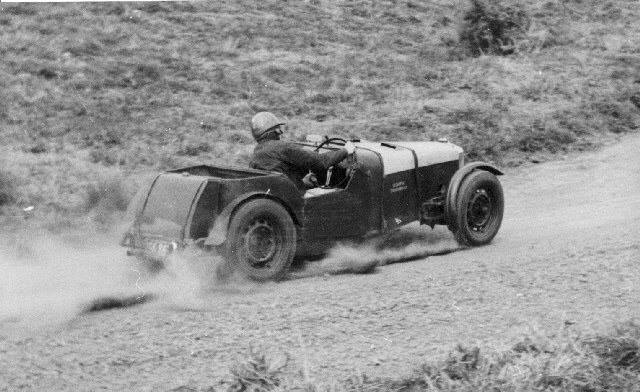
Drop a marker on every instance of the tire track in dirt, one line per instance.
(568, 251)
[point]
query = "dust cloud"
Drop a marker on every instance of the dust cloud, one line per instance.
(47, 280)
(409, 243)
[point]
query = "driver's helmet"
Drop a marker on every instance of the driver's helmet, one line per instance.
(262, 123)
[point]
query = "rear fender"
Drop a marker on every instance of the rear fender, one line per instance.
(218, 232)
(454, 186)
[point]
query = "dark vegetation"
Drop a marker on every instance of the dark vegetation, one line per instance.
(132, 87)
(490, 27)
(568, 362)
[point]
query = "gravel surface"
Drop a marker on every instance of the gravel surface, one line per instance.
(567, 254)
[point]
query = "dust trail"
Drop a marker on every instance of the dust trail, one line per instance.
(192, 280)
(47, 280)
(406, 244)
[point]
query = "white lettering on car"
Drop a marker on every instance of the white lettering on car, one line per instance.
(398, 186)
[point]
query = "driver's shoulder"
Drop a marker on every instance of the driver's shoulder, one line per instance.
(290, 146)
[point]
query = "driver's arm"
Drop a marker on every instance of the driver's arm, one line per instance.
(310, 160)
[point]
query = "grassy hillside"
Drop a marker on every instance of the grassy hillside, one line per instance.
(106, 90)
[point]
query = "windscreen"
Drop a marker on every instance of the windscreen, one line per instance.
(167, 208)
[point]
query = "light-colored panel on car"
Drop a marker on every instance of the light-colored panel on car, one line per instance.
(430, 153)
(394, 160)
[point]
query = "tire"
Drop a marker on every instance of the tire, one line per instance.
(479, 209)
(261, 240)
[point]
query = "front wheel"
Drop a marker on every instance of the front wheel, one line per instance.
(261, 240)
(479, 209)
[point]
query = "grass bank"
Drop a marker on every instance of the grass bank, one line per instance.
(96, 88)
(568, 361)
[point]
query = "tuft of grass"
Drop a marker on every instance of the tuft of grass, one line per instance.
(258, 373)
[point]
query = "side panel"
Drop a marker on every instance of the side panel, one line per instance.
(206, 209)
(334, 215)
(399, 198)
(399, 187)
(168, 206)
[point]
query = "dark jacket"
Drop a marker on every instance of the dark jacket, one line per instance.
(294, 161)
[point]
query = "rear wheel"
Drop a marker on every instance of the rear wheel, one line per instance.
(261, 240)
(479, 209)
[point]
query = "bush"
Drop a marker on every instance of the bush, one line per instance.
(493, 27)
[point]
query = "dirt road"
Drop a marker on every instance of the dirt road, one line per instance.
(568, 252)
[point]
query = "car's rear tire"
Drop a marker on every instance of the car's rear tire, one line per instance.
(479, 209)
(261, 240)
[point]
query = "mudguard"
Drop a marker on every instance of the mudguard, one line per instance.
(218, 233)
(454, 186)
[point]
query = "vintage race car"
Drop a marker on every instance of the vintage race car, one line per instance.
(260, 221)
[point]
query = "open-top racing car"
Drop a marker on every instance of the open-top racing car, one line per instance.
(260, 221)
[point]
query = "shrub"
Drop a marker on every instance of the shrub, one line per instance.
(493, 27)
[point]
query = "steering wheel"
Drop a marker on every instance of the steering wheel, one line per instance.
(351, 165)
(330, 140)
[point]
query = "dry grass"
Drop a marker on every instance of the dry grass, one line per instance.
(136, 87)
(568, 361)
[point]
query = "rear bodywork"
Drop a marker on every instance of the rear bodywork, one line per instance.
(390, 185)
(180, 207)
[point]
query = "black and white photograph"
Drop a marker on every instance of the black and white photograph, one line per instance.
(320, 196)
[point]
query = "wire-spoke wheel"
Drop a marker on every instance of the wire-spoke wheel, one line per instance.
(261, 240)
(480, 206)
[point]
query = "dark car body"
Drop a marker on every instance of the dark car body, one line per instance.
(388, 185)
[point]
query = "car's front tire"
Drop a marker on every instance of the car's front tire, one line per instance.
(479, 209)
(261, 240)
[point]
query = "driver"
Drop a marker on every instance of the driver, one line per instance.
(286, 157)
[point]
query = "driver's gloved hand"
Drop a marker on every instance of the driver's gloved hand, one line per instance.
(310, 180)
(350, 147)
